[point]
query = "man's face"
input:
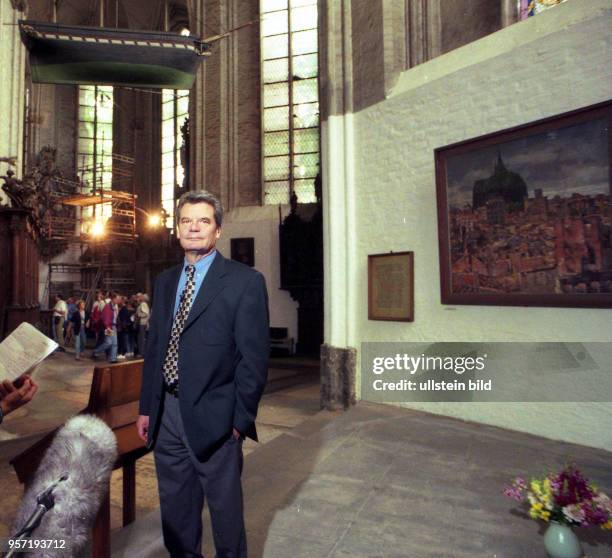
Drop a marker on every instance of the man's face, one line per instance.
(198, 230)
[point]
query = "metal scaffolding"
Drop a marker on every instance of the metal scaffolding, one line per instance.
(73, 227)
(68, 222)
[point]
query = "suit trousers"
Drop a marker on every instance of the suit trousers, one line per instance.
(142, 340)
(184, 482)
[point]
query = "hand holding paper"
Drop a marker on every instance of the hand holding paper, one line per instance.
(12, 398)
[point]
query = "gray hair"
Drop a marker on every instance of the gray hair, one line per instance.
(201, 196)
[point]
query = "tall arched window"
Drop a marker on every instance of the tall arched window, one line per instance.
(290, 99)
(175, 110)
(95, 145)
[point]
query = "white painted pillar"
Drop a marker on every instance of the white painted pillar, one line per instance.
(337, 165)
(12, 99)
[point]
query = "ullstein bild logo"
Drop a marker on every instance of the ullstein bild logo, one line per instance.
(433, 385)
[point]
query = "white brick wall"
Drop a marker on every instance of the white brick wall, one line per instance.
(556, 62)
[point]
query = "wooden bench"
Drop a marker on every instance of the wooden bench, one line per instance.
(115, 390)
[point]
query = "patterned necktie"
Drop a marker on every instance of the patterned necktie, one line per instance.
(171, 362)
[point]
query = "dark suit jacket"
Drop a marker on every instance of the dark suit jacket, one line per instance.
(223, 354)
(77, 322)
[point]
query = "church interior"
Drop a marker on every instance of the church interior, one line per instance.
(408, 175)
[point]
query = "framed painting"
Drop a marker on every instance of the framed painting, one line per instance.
(524, 214)
(243, 250)
(391, 287)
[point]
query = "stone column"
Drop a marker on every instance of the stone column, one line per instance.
(423, 31)
(509, 12)
(137, 134)
(198, 120)
(12, 100)
(338, 358)
(225, 115)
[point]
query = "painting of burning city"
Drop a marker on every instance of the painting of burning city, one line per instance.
(525, 216)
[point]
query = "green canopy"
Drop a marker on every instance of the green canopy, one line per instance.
(96, 55)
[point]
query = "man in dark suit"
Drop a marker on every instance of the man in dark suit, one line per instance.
(204, 373)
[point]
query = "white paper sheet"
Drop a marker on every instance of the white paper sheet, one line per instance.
(23, 350)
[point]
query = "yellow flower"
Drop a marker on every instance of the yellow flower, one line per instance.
(607, 524)
(535, 510)
(547, 496)
(535, 487)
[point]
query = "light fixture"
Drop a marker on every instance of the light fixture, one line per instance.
(154, 220)
(185, 32)
(97, 228)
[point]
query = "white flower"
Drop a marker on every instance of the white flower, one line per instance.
(574, 512)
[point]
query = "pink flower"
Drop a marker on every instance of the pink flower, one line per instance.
(593, 514)
(513, 493)
(520, 483)
(516, 489)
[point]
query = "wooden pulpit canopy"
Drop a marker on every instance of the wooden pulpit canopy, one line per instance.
(67, 54)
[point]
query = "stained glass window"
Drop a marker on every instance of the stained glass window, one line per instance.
(95, 147)
(175, 110)
(290, 99)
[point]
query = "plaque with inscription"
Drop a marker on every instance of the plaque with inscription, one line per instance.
(391, 287)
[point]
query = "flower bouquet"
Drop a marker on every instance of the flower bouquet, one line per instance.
(564, 499)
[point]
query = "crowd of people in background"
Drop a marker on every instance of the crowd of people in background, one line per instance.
(118, 323)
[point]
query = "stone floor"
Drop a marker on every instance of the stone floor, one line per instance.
(64, 391)
(375, 481)
(382, 482)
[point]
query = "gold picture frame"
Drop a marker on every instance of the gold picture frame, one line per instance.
(391, 287)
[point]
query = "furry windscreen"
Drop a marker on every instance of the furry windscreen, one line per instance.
(85, 449)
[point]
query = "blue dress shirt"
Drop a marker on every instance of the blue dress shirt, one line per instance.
(201, 269)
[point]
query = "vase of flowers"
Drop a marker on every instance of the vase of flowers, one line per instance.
(561, 542)
(563, 500)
